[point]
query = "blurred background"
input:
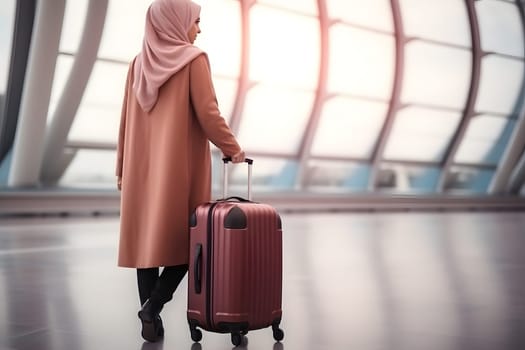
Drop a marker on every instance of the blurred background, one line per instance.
(336, 100)
(389, 135)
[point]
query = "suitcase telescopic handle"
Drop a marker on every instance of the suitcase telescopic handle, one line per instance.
(226, 160)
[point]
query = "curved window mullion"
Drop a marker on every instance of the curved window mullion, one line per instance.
(395, 100)
(244, 80)
(469, 111)
(320, 98)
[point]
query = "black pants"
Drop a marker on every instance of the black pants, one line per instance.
(160, 288)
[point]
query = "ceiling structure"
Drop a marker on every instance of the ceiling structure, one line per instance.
(328, 96)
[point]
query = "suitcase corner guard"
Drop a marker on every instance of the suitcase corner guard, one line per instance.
(235, 219)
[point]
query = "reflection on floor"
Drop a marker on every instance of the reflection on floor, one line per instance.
(352, 281)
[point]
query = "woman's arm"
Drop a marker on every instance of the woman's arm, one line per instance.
(206, 108)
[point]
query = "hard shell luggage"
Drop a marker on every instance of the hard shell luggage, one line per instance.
(235, 267)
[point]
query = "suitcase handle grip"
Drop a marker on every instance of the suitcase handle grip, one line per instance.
(226, 160)
(197, 268)
(229, 159)
(240, 199)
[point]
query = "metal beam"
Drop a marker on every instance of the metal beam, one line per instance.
(92, 145)
(320, 97)
(108, 202)
(395, 100)
(517, 177)
(21, 42)
(54, 160)
(29, 138)
(469, 110)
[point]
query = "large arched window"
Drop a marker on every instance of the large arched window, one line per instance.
(329, 96)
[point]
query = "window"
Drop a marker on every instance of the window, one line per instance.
(274, 119)
(446, 20)
(375, 14)
(285, 52)
(361, 62)
(336, 177)
(482, 143)
(500, 27)
(282, 47)
(349, 128)
(436, 75)
(421, 134)
(501, 81)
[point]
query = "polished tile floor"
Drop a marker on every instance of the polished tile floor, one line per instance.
(379, 281)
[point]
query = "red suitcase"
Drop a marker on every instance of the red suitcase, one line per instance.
(235, 267)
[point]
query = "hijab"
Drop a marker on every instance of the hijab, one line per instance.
(166, 48)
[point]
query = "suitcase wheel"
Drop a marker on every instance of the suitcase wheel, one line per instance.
(196, 335)
(278, 333)
(237, 338)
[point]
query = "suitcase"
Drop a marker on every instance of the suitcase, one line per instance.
(235, 266)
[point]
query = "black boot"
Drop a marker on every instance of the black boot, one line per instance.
(167, 282)
(152, 328)
(160, 328)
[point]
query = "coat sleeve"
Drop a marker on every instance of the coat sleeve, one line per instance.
(204, 102)
(122, 129)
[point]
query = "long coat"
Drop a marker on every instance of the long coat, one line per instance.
(164, 160)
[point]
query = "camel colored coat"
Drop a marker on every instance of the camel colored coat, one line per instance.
(164, 160)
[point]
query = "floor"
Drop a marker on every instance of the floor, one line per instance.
(378, 281)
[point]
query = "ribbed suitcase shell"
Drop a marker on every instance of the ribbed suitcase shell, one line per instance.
(240, 267)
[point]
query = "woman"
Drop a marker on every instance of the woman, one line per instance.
(169, 114)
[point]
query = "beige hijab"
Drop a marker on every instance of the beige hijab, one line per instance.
(166, 48)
